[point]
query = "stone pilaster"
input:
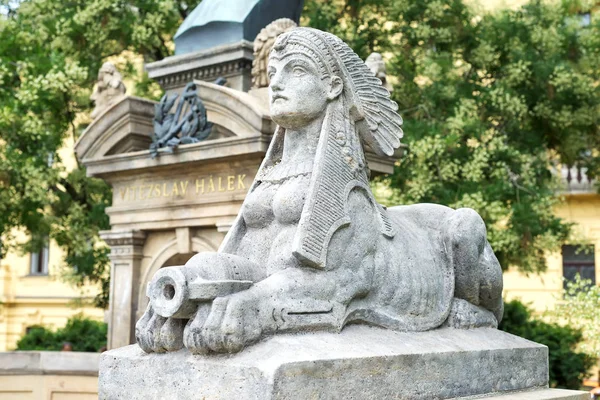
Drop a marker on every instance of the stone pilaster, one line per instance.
(126, 256)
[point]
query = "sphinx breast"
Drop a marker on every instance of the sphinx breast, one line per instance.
(289, 199)
(258, 207)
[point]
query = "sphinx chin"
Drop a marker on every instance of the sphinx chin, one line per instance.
(291, 120)
(295, 119)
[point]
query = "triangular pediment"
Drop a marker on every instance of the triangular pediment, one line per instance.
(124, 127)
(127, 126)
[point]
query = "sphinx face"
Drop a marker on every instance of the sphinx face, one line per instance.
(298, 94)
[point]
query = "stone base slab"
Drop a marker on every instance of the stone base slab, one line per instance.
(360, 363)
(541, 394)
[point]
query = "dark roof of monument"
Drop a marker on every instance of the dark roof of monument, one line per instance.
(219, 22)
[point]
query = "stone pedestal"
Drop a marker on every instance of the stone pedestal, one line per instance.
(360, 363)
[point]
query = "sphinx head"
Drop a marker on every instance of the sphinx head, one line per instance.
(310, 70)
(301, 82)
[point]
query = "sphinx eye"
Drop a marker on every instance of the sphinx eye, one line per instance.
(298, 71)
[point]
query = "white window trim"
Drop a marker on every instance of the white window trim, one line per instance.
(34, 260)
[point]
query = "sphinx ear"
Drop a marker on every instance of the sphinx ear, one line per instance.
(337, 85)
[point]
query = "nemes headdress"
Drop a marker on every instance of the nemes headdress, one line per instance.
(375, 114)
(362, 116)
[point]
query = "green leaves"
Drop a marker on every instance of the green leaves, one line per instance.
(567, 366)
(360, 23)
(491, 103)
(84, 335)
(50, 53)
(579, 309)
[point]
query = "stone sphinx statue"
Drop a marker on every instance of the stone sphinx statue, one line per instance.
(311, 249)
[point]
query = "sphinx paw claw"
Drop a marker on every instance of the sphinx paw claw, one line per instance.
(156, 334)
(232, 324)
(192, 334)
(171, 334)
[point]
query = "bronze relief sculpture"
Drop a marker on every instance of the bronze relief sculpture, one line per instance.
(311, 249)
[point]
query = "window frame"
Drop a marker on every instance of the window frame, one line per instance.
(570, 263)
(34, 262)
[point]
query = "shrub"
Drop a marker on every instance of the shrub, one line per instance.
(579, 308)
(83, 333)
(39, 338)
(568, 367)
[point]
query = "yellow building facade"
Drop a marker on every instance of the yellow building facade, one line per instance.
(31, 291)
(581, 206)
(30, 296)
(542, 291)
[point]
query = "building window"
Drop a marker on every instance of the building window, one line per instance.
(585, 19)
(576, 260)
(39, 262)
(29, 329)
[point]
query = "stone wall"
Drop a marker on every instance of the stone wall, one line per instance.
(49, 375)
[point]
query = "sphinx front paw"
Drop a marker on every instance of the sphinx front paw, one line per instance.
(234, 322)
(192, 334)
(156, 334)
(147, 331)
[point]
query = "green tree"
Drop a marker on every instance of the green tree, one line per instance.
(84, 334)
(50, 53)
(491, 104)
(579, 308)
(360, 23)
(567, 366)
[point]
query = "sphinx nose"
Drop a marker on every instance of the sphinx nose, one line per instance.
(276, 83)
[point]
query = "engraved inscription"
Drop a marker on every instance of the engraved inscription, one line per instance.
(182, 188)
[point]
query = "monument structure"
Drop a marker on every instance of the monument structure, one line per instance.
(216, 40)
(317, 291)
(167, 208)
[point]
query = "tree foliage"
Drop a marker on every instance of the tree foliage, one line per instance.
(568, 367)
(84, 334)
(491, 104)
(50, 53)
(579, 308)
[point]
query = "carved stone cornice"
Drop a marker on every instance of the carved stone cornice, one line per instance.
(123, 238)
(207, 73)
(192, 154)
(228, 61)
